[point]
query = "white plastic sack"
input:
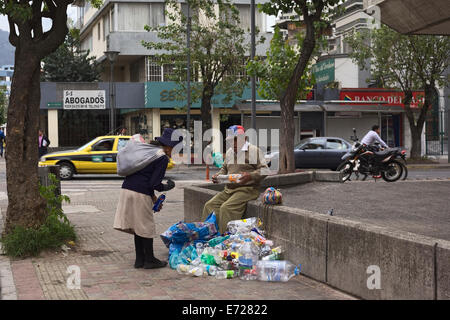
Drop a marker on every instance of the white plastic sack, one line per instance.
(136, 155)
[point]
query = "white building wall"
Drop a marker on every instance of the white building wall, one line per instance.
(346, 72)
(343, 127)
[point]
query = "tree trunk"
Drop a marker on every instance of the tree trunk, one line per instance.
(25, 205)
(416, 142)
(416, 127)
(287, 126)
(206, 108)
(287, 103)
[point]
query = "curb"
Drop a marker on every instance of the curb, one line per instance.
(428, 167)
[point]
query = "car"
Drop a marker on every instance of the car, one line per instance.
(316, 152)
(98, 156)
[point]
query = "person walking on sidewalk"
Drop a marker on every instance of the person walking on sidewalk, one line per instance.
(241, 158)
(43, 143)
(2, 140)
(144, 166)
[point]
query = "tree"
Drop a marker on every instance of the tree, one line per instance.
(218, 51)
(315, 15)
(411, 62)
(26, 208)
(71, 64)
(281, 60)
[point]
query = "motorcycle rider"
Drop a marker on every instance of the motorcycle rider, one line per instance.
(369, 141)
(373, 136)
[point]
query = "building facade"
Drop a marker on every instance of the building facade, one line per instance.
(119, 26)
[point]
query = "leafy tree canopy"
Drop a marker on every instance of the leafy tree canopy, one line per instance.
(71, 64)
(219, 49)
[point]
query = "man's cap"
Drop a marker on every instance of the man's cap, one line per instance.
(235, 131)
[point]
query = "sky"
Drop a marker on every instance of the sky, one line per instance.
(72, 13)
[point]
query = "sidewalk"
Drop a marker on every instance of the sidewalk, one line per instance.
(442, 164)
(105, 258)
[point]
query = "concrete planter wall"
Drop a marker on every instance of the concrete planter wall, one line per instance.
(340, 252)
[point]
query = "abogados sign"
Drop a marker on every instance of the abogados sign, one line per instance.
(84, 99)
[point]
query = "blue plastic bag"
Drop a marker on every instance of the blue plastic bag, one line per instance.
(183, 232)
(181, 238)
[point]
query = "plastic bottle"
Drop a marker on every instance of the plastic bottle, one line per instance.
(190, 269)
(199, 248)
(276, 270)
(243, 226)
(248, 257)
(158, 202)
(210, 256)
(226, 274)
(197, 261)
(217, 240)
(233, 178)
(274, 254)
(259, 239)
(265, 251)
(211, 270)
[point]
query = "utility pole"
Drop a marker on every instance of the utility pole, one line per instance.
(188, 44)
(252, 56)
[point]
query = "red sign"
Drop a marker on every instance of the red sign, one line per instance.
(392, 98)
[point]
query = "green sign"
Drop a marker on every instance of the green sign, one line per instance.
(54, 105)
(164, 95)
(324, 71)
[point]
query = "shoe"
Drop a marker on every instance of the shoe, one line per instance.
(154, 264)
(150, 262)
(140, 256)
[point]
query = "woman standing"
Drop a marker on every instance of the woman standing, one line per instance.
(144, 166)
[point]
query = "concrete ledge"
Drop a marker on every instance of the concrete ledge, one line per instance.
(303, 235)
(339, 252)
(405, 261)
(443, 270)
(327, 176)
(194, 200)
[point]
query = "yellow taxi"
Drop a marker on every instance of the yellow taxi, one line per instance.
(96, 156)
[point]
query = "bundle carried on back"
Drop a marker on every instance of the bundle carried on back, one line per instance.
(136, 155)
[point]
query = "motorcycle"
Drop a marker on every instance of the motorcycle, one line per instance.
(365, 160)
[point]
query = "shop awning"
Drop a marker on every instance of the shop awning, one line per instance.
(328, 107)
(270, 107)
(414, 16)
(334, 107)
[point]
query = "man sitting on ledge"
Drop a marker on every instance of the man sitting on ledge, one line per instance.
(241, 158)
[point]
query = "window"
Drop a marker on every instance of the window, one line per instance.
(313, 146)
(98, 31)
(86, 43)
(121, 143)
(105, 26)
(335, 144)
(153, 69)
(134, 16)
(103, 145)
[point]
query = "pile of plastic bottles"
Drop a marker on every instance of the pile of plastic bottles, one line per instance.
(244, 252)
